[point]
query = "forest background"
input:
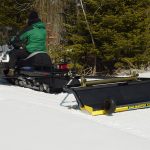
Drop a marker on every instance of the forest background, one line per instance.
(97, 35)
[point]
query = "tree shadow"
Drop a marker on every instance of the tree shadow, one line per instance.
(68, 104)
(4, 82)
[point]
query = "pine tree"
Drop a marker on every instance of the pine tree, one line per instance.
(13, 16)
(120, 29)
(14, 12)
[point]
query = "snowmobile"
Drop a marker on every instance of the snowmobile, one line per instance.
(36, 71)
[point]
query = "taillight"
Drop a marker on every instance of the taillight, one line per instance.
(63, 66)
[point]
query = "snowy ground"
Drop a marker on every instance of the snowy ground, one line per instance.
(31, 120)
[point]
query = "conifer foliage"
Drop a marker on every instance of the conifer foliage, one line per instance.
(13, 17)
(120, 30)
(14, 12)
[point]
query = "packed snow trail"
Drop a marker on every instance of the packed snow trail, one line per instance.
(32, 120)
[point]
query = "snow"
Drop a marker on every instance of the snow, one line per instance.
(32, 120)
(144, 75)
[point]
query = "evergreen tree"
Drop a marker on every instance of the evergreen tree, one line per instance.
(13, 16)
(14, 12)
(120, 29)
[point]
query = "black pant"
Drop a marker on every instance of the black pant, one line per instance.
(15, 55)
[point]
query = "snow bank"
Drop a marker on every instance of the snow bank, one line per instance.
(31, 120)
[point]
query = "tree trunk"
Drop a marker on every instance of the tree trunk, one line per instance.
(51, 12)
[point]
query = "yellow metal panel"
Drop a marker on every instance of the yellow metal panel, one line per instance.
(118, 109)
(92, 112)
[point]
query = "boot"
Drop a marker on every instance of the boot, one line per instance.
(11, 72)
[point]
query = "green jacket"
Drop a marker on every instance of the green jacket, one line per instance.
(35, 36)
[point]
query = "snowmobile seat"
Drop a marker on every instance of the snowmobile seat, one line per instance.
(36, 59)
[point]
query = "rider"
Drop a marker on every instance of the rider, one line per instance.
(34, 35)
